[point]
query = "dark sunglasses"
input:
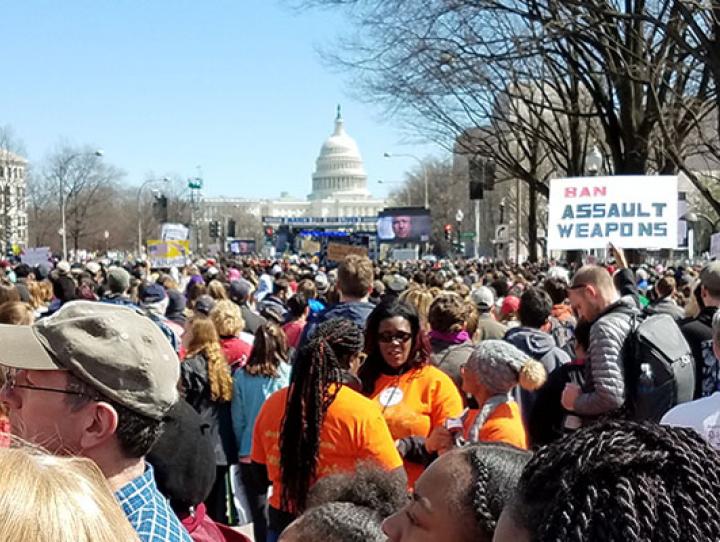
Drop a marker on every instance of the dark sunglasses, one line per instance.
(401, 337)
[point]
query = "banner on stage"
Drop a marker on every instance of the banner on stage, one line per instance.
(336, 252)
(628, 211)
(168, 253)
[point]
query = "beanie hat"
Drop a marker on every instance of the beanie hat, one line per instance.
(183, 458)
(118, 280)
(501, 366)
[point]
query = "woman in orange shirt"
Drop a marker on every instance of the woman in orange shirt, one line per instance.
(414, 396)
(319, 425)
(492, 371)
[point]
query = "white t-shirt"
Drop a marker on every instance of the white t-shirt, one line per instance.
(702, 415)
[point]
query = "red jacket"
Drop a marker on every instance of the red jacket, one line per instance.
(236, 351)
(204, 529)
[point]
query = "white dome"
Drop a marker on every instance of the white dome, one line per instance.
(339, 170)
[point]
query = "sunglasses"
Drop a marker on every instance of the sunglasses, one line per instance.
(401, 337)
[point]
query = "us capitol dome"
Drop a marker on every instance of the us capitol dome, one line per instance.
(339, 171)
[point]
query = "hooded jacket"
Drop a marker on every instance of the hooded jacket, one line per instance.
(356, 311)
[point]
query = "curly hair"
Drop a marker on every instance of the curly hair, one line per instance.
(227, 318)
(339, 522)
(448, 313)
(204, 340)
(318, 367)
(617, 481)
(419, 351)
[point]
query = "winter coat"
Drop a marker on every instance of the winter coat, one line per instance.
(489, 328)
(356, 311)
(604, 389)
(252, 319)
(698, 333)
(449, 357)
(196, 387)
(666, 305)
(541, 347)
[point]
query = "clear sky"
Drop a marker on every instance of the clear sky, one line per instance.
(235, 86)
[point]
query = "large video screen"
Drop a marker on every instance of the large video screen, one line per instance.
(242, 247)
(404, 225)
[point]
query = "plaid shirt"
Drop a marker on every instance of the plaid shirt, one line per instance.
(148, 511)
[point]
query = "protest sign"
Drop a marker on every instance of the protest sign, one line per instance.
(35, 256)
(628, 211)
(174, 232)
(715, 245)
(168, 253)
(336, 252)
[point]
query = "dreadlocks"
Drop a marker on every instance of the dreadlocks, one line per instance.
(318, 366)
(618, 481)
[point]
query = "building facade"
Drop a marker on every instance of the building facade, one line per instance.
(13, 191)
(339, 189)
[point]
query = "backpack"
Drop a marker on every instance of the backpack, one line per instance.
(659, 368)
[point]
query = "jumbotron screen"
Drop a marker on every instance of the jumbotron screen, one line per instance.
(404, 225)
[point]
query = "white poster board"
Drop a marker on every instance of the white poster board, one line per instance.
(628, 211)
(174, 232)
(35, 256)
(715, 245)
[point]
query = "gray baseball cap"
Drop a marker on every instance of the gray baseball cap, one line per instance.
(483, 298)
(116, 350)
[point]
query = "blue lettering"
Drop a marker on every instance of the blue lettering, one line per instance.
(611, 227)
(568, 212)
(583, 210)
(565, 230)
(645, 229)
(613, 212)
(661, 229)
(626, 229)
(642, 213)
(628, 210)
(581, 230)
(599, 210)
(659, 209)
(597, 231)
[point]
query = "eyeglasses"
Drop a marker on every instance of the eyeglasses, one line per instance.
(401, 337)
(577, 286)
(11, 384)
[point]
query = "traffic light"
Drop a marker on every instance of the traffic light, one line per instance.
(214, 229)
(160, 208)
(231, 228)
(482, 177)
(448, 232)
(269, 232)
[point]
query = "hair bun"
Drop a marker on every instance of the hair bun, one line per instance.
(532, 375)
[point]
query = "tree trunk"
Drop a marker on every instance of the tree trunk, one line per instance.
(532, 220)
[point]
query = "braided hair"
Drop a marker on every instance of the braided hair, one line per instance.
(318, 366)
(618, 481)
(495, 470)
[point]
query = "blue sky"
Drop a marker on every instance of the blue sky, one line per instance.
(235, 86)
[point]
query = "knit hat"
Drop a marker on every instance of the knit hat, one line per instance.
(183, 458)
(118, 280)
(501, 366)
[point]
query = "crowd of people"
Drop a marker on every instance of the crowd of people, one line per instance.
(414, 401)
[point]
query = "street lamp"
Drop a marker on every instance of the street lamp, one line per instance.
(139, 210)
(409, 197)
(422, 165)
(98, 153)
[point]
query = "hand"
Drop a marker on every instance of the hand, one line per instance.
(619, 255)
(570, 395)
(440, 441)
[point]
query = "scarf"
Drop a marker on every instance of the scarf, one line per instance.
(452, 338)
(487, 409)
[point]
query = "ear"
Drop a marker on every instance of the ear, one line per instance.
(99, 425)
(592, 290)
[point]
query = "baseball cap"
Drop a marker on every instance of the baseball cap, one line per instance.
(510, 304)
(483, 298)
(397, 283)
(204, 304)
(710, 276)
(116, 350)
(321, 283)
(240, 290)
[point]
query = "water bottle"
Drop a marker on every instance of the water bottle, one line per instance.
(645, 383)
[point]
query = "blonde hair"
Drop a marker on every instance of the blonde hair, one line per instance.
(227, 318)
(216, 290)
(421, 299)
(47, 498)
(17, 313)
(204, 340)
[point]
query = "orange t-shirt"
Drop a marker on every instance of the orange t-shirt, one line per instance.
(415, 403)
(353, 431)
(503, 425)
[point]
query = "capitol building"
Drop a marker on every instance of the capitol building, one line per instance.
(339, 194)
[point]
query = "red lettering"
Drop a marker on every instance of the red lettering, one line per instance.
(600, 191)
(585, 192)
(570, 192)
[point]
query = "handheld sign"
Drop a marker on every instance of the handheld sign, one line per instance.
(628, 211)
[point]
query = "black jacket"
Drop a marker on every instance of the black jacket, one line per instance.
(252, 319)
(196, 387)
(666, 305)
(698, 334)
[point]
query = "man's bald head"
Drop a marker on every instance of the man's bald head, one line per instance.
(592, 291)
